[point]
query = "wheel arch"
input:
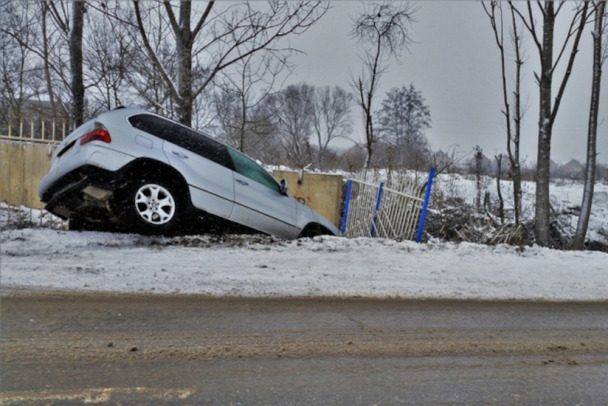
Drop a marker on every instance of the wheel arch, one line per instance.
(151, 168)
(314, 229)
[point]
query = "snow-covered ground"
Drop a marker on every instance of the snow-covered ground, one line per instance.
(45, 259)
(48, 259)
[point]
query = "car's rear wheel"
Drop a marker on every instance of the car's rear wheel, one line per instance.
(151, 207)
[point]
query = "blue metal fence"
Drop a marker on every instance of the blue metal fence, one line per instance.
(394, 209)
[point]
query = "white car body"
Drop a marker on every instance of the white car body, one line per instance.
(132, 166)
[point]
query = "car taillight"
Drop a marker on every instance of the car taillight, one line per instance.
(98, 134)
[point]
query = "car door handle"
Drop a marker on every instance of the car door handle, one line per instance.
(242, 182)
(180, 154)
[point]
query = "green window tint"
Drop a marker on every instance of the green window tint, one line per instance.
(247, 167)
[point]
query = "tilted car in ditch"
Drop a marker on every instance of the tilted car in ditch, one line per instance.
(138, 171)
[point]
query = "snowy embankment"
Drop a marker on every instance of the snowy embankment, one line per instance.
(258, 266)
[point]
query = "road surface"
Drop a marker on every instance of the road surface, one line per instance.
(63, 349)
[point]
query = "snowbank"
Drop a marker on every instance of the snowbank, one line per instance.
(258, 266)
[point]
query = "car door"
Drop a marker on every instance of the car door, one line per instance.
(211, 184)
(202, 161)
(258, 201)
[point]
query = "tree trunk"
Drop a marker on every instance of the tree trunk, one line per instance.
(78, 10)
(514, 153)
(478, 161)
(513, 136)
(545, 126)
(47, 68)
(369, 131)
(583, 220)
(501, 202)
(548, 112)
(184, 55)
(243, 124)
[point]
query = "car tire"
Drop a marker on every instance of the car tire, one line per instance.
(312, 230)
(151, 207)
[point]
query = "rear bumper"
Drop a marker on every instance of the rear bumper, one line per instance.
(87, 190)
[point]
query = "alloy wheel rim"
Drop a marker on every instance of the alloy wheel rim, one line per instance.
(155, 204)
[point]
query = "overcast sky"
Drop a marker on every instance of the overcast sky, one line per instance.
(455, 63)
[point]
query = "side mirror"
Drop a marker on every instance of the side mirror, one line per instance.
(283, 188)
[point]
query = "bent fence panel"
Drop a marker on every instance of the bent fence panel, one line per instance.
(392, 210)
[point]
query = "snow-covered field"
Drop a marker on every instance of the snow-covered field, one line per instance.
(260, 266)
(566, 196)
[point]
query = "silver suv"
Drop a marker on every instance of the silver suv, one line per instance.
(137, 171)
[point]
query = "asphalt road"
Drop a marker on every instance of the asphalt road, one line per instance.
(129, 349)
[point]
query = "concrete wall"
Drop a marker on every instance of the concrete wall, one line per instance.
(22, 165)
(320, 192)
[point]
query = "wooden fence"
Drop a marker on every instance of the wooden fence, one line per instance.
(25, 152)
(35, 131)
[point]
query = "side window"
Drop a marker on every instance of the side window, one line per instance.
(156, 126)
(204, 146)
(247, 167)
(185, 137)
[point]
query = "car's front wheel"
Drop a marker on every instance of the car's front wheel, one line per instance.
(313, 230)
(152, 207)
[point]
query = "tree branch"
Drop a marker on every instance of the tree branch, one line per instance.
(562, 88)
(152, 54)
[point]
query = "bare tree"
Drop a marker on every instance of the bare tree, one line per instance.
(145, 78)
(13, 61)
(36, 62)
(599, 56)
(68, 23)
(46, 60)
(240, 93)
(302, 112)
(19, 63)
(54, 30)
(210, 37)
(331, 117)
(293, 109)
(108, 57)
(543, 36)
(264, 142)
(512, 119)
(354, 158)
(384, 31)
